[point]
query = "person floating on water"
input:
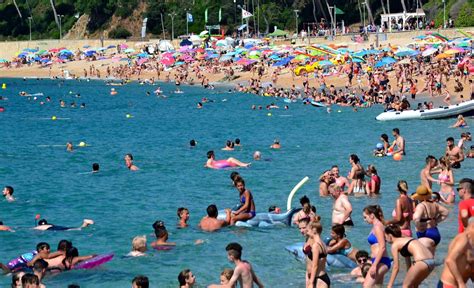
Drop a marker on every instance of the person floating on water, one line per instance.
(218, 164)
(8, 193)
(43, 225)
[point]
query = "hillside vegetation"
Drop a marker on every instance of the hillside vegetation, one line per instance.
(122, 18)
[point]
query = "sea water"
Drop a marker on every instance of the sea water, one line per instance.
(53, 183)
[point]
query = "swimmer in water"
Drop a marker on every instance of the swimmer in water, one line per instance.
(183, 216)
(276, 144)
(43, 225)
(138, 247)
(95, 168)
(257, 156)
(339, 244)
(4, 227)
(342, 207)
(210, 163)
(340, 180)
(140, 281)
(129, 162)
(225, 277)
(228, 146)
(192, 143)
(210, 222)
(399, 142)
(72, 258)
(186, 279)
(69, 147)
(243, 272)
(161, 235)
(8, 193)
(460, 123)
(199, 105)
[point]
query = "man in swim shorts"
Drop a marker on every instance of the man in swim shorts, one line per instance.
(459, 263)
(210, 222)
(342, 208)
(399, 142)
(243, 272)
(8, 193)
(453, 153)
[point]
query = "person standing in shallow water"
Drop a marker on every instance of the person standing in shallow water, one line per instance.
(399, 142)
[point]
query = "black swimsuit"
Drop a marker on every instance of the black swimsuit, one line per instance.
(404, 251)
(322, 255)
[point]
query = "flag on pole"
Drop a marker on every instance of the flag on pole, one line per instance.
(339, 11)
(189, 17)
(246, 14)
(220, 14)
(205, 15)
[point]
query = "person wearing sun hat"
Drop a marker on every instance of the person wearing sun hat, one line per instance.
(427, 216)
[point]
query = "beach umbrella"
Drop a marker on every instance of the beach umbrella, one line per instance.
(404, 53)
(141, 61)
(30, 50)
(357, 60)
(222, 43)
(404, 61)
(86, 46)
(143, 55)
(168, 61)
(123, 46)
(388, 60)
(429, 52)
(3, 60)
(243, 61)
(101, 49)
(186, 42)
(42, 52)
(325, 63)
(443, 56)
(111, 46)
(454, 50)
(129, 50)
(203, 33)
(225, 58)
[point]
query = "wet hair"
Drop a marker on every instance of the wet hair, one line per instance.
(396, 130)
(42, 245)
(316, 226)
(384, 137)
(394, 230)
(228, 143)
(402, 186)
(362, 253)
(450, 139)
(237, 141)
(183, 276)
(376, 210)
(272, 208)
(16, 276)
(73, 286)
(192, 143)
(429, 158)
(355, 158)
(212, 211)
(139, 243)
(40, 265)
(129, 156)
(365, 269)
(9, 189)
(141, 281)
(160, 229)
(372, 169)
(234, 249)
(29, 278)
(180, 210)
(64, 245)
(42, 222)
(1, 222)
(95, 166)
(210, 154)
(339, 230)
(304, 200)
(234, 175)
(227, 273)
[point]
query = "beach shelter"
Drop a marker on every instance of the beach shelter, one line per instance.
(186, 42)
(443, 56)
(429, 52)
(278, 33)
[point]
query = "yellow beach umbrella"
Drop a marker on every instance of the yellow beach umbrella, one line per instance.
(443, 56)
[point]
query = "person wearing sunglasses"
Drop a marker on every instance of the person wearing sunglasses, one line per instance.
(362, 258)
(466, 205)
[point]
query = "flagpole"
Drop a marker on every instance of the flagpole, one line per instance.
(187, 22)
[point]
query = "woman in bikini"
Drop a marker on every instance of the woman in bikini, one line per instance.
(339, 244)
(427, 216)
(423, 259)
(380, 262)
(247, 209)
(403, 212)
(316, 258)
(446, 181)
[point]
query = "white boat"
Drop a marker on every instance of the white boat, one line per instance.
(464, 108)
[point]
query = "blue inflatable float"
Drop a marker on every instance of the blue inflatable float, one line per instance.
(333, 260)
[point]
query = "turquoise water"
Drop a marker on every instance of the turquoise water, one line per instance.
(51, 182)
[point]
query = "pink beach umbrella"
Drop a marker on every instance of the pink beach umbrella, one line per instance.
(168, 61)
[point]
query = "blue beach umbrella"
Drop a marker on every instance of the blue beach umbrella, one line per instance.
(388, 60)
(325, 63)
(225, 58)
(30, 50)
(111, 46)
